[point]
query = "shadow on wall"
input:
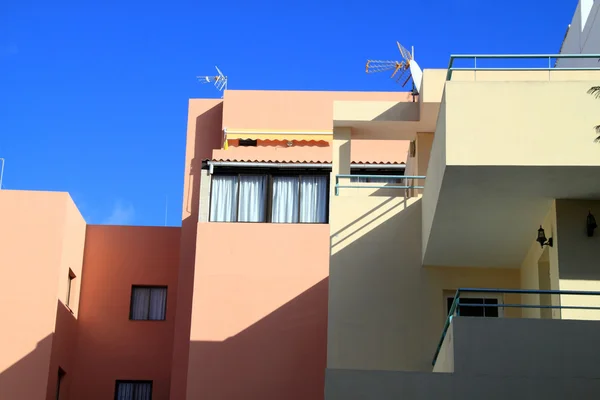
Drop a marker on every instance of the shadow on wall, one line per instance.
(35, 375)
(376, 271)
(282, 356)
(206, 123)
(27, 378)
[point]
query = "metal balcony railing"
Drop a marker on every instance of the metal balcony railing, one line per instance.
(515, 57)
(456, 304)
(360, 185)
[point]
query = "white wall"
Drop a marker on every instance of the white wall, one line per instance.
(583, 36)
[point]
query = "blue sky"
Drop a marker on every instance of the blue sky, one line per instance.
(93, 95)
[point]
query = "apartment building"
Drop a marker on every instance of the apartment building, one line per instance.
(333, 245)
(582, 36)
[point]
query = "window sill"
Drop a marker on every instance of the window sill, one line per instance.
(68, 308)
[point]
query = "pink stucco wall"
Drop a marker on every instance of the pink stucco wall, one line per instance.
(251, 317)
(110, 346)
(204, 133)
(41, 238)
(361, 151)
(259, 321)
(291, 110)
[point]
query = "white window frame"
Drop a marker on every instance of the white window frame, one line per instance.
(475, 295)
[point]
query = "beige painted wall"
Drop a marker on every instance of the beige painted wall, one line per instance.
(424, 144)
(41, 237)
(530, 269)
(539, 361)
(435, 176)
(525, 123)
(578, 256)
(386, 311)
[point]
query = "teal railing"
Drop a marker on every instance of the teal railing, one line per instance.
(455, 308)
(550, 57)
(359, 185)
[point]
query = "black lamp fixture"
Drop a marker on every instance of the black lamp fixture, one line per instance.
(541, 238)
(590, 224)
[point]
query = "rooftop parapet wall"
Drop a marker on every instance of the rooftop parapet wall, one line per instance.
(291, 110)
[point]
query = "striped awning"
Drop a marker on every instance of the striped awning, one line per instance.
(264, 134)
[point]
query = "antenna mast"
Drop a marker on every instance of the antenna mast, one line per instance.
(407, 63)
(219, 80)
(1, 172)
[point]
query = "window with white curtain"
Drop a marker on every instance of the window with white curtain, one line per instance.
(299, 199)
(238, 198)
(133, 390)
(148, 303)
(289, 198)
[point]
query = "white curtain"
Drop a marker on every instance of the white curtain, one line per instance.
(148, 303)
(125, 391)
(140, 303)
(134, 391)
(285, 199)
(253, 198)
(158, 304)
(223, 198)
(357, 179)
(143, 391)
(313, 199)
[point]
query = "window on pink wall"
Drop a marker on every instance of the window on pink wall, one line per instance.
(61, 376)
(277, 197)
(148, 303)
(133, 390)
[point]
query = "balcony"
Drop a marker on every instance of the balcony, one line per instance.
(547, 333)
(508, 141)
(375, 185)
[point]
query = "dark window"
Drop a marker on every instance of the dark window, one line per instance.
(133, 390)
(148, 303)
(61, 375)
(383, 177)
(280, 198)
(475, 311)
(248, 142)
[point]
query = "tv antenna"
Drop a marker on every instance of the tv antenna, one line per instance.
(220, 80)
(407, 63)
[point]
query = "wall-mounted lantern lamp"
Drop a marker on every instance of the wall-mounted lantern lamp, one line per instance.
(590, 224)
(541, 238)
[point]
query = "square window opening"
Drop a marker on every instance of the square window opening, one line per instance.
(148, 303)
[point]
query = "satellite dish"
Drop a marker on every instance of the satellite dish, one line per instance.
(399, 68)
(219, 80)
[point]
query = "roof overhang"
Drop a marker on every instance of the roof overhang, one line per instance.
(502, 152)
(208, 164)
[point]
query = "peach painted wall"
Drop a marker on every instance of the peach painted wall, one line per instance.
(65, 337)
(41, 235)
(259, 322)
(110, 346)
(362, 151)
(291, 110)
(204, 133)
